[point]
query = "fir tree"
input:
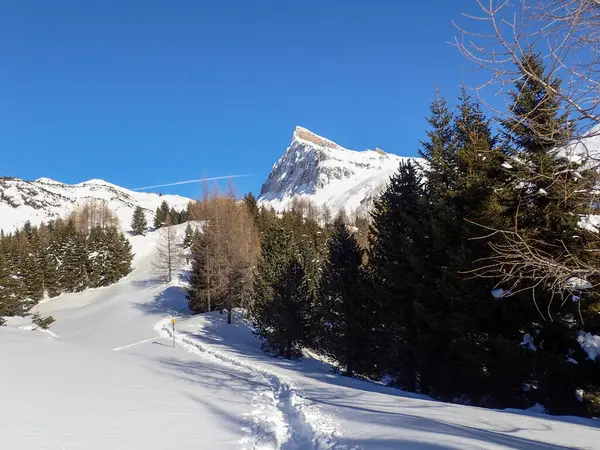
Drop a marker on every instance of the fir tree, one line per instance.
(73, 275)
(50, 263)
(550, 194)
(438, 150)
(161, 214)
(138, 222)
(398, 260)
(346, 319)
(32, 270)
(252, 205)
(285, 328)
(10, 301)
(187, 238)
(175, 216)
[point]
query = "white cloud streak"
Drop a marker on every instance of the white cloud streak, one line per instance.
(190, 181)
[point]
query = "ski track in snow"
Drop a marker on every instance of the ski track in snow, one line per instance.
(281, 419)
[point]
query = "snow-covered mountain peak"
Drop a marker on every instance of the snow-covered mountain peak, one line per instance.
(46, 199)
(303, 135)
(328, 174)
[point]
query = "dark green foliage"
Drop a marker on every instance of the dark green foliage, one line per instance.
(187, 238)
(252, 205)
(281, 297)
(346, 316)
(398, 250)
(284, 328)
(54, 259)
(109, 256)
(139, 226)
(546, 207)
(72, 272)
(175, 217)
(438, 150)
(42, 322)
(161, 214)
(10, 298)
(198, 293)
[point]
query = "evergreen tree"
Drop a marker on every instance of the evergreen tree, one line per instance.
(551, 192)
(50, 263)
(398, 259)
(123, 252)
(97, 258)
(534, 135)
(138, 222)
(439, 149)
(187, 238)
(184, 216)
(161, 214)
(277, 250)
(32, 269)
(346, 318)
(10, 301)
(252, 205)
(175, 216)
(73, 276)
(286, 328)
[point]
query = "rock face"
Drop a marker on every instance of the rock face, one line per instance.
(322, 171)
(45, 199)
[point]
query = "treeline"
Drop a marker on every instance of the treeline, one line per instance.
(474, 286)
(223, 254)
(65, 255)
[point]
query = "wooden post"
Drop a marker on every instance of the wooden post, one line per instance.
(173, 322)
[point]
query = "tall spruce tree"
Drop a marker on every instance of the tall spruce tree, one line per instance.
(11, 303)
(73, 276)
(438, 149)
(187, 238)
(278, 279)
(551, 192)
(286, 329)
(139, 225)
(346, 316)
(397, 256)
(161, 214)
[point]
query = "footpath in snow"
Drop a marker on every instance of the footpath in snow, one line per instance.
(108, 377)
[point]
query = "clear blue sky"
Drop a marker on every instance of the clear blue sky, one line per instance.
(147, 92)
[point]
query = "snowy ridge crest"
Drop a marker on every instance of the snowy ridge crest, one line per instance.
(45, 199)
(318, 169)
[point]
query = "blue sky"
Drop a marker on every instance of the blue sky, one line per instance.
(146, 92)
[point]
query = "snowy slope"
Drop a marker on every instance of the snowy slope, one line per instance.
(46, 199)
(110, 379)
(328, 174)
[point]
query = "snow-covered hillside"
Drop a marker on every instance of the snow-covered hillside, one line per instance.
(109, 378)
(45, 199)
(328, 174)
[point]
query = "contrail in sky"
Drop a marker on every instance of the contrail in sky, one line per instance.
(191, 181)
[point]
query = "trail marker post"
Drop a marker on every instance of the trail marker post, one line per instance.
(173, 323)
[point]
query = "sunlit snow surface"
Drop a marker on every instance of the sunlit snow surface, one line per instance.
(109, 378)
(329, 175)
(45, 199)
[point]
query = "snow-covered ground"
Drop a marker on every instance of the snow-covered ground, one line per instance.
(109, 378)
(45, 199)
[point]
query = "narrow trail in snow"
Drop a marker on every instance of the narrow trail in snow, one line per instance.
(282, 420)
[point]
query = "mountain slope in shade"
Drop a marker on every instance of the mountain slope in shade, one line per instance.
(45, 199)
(329, 175)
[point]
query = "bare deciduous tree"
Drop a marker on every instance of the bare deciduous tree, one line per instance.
(168, 255)
(229, 246)
(92, 214)
(566, 33)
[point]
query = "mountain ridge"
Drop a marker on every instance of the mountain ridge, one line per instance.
(45, 199)
(328, 174)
